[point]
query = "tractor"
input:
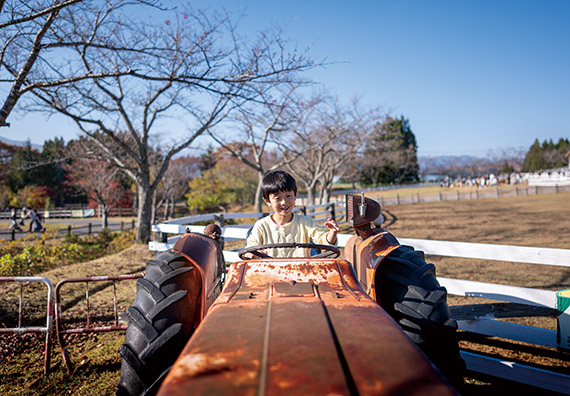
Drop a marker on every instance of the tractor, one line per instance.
(373, 323)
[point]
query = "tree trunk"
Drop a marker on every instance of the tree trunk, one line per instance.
(154, 208)
(136, 200)
(258, 195)
(104, 210)
(166, 209)
(144, 214)
(325, 195)
(311, 193)
(326, 189)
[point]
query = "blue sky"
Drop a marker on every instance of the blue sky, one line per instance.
(471, 76)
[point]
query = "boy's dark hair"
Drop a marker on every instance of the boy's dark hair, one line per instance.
(277, 181)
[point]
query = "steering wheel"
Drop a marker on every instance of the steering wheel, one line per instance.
(330, 251)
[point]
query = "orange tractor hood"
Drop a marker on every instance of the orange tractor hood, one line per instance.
(299, 327)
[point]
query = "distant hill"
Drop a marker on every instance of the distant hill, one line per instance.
(443, 163)
(19, 143)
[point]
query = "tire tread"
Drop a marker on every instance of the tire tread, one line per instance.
(161, 320)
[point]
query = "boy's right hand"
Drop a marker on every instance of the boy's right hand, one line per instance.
(251, 256)
(248, 256)
(330, 223)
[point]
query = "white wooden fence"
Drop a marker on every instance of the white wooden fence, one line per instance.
(485, 324)
(560, 177)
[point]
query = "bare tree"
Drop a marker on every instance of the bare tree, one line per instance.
(330, 144)
(261, 125)
(100, 181)
(194, 68)
(26, 60)
(175, 184)
(513, 156)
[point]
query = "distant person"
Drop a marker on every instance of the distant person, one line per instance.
(14, 217)
(23, 216)
(35, 223)
(283, 226)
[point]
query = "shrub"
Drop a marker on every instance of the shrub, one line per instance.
(28, 257)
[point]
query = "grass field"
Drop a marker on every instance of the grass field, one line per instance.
(540, 221)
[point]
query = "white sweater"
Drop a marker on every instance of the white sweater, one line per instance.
(302, 229)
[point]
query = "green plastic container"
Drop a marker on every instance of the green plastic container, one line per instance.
(563, 306)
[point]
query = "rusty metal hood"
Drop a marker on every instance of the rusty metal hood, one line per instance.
(302, 327)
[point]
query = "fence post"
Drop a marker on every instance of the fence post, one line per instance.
(132, 224)
(497, 191)
(69, 230)
(13, 234)
(398, 198)
(412, 197)
(418, 197)
(440, 196)
(556, 188)
(219, 221)
(161, 237)
(122, 225)
(304, 210)
(457, 195)
(89, 229)
(332, 212)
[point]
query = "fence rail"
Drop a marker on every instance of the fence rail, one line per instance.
(87, 229)
(180, 225)
(78, 212)
(462, 194)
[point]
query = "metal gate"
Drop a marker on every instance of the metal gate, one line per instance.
(48, 328)
(88, 328)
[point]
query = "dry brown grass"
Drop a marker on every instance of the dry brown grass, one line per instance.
(95, 357)
(536, 221)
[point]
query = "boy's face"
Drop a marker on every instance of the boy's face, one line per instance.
(282, 202)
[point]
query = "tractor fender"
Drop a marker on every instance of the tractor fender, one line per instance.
(205, 253)
(367, 254)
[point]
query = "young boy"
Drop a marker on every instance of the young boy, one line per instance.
(283, 226)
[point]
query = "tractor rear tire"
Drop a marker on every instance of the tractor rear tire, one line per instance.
(408, 290)
(161, 320)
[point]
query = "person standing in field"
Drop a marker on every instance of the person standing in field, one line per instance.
(35, 223)
(23, 216)
(14, 217)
